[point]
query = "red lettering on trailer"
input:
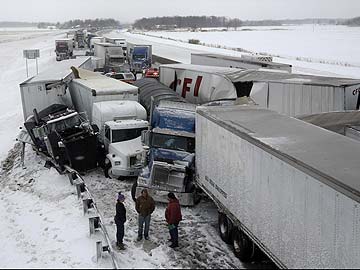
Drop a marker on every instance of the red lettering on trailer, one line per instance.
(197, 86)
(185, 87)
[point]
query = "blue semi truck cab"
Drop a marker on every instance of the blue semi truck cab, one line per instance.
(139, 57)
(170, 152)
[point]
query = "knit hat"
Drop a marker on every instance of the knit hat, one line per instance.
(121, 197)
(171, 195)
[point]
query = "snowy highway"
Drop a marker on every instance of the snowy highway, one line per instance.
(41, 218)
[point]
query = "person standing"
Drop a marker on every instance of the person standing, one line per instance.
(120, 219)
(145, 206)
(173, 217)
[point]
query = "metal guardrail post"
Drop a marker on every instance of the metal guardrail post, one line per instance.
(72, 176)
(94, 223)
(80, 188)
(98, 250)
(87, 204)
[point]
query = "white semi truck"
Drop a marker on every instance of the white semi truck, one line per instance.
(113, 106)
(64, 49)
(112, 56)
(289, 94)
(281, 185)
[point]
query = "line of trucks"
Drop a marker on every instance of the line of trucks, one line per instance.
(282, 186)
(111, 54)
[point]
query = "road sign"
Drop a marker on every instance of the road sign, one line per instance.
(31, 54)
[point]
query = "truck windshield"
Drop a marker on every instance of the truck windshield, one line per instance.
(65, 124)
(122, 135)
(139, 53)
(117, 60)
(173, 142)
(60, 47)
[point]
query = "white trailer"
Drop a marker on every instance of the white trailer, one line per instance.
(243, 62)
(94, 40)
(290, 94)
(92, 87)
(289, 188)
(50, 87)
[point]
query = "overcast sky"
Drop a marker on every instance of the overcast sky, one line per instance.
(130, 10)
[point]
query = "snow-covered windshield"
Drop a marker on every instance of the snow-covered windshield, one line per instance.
(173, 142)
(126, 134)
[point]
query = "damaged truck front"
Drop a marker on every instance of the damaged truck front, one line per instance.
(169, 160)
(64, 136)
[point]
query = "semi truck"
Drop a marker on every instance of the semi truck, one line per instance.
(117, 41)
(112, 56)
(64, 137)
(113, 106)
(281, 185)
(139, 57)
(169, 143)
(289, 94)
(64, 49)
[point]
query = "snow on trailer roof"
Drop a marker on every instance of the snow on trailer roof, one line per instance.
(246, 75)
(236, 58)
(57, 71)
(102, 84)
(330, 157)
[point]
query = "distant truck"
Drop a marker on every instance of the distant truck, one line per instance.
(64, 49)
(64, 136)
(117, 41)
(170, 144)
(79, 38)
(139, 57)
(112, 56)
(289, 94)
(112, 106)
(281, 185)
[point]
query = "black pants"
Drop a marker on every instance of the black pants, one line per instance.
(174, 234)
(119, 232)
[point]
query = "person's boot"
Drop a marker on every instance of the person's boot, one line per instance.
(121, 246)
(139, 238)
(174, 245)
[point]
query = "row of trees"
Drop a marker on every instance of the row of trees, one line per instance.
(96, 23)
(186, 22)
(353, 22)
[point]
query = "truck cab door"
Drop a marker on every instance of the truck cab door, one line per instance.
(107, 137)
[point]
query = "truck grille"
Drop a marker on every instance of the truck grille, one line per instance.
(168, 178)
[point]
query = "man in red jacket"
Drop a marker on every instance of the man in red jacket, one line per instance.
(173, 217)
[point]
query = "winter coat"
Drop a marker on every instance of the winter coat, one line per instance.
(173, 212)
(120, 216)
(145, 206)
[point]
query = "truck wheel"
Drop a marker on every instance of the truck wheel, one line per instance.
(107, 169)
(242, 245)
(133, 191)
(225, 228)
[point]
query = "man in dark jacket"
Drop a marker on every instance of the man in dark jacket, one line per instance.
(173, 218)
(145, 206)
(120, 219)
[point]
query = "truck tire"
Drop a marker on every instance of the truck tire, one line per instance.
(107, 168)
(243, 247)
(225, 228)
(133, 191)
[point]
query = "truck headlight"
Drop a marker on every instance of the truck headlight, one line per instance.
(117, 163)
(138, 156)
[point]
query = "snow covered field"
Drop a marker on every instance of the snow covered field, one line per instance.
(41, 219)
(319, 49)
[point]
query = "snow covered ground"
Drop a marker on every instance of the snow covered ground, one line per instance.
(41, 219)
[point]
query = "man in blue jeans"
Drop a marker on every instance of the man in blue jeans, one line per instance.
(145, 206)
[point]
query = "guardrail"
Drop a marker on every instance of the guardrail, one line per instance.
(94, 222)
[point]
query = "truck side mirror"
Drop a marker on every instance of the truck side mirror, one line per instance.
(145, 137)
